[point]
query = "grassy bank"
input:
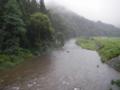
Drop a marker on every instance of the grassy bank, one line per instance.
(10, 60)
(108, 48)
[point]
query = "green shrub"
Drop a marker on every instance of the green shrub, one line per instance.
(10, 60)
(115, 82)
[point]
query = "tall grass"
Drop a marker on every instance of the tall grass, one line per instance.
(108, 48)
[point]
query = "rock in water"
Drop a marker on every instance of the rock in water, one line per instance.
(68, 51)
(98, 66)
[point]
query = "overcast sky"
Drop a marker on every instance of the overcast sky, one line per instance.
(105, 10)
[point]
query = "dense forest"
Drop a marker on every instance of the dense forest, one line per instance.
(25, 29)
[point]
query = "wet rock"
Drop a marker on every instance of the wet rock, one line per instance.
(68, 51)
(98, 66)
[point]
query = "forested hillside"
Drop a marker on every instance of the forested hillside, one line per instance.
(25, 29)
(76, 25)
(28, 28)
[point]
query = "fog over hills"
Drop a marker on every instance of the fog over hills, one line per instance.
(106, 11)
(76, 25)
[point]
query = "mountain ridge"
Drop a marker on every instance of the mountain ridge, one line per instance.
(77, 25)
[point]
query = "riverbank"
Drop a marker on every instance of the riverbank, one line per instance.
(10, 60)
(108, 48)
(66, 68)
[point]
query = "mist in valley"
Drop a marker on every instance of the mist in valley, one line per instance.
(73, 23)
(106, 11)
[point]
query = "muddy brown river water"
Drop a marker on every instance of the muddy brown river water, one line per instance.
(68, 68)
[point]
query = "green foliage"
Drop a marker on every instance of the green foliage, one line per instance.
(13, 29)
(29, 7)
(115, 82)
(87, 43)
(60, 26)
(24, 30)
(108, 48)
(40, 30)
(33, 6)
(7, 61)
(42, 6)
(59, 39)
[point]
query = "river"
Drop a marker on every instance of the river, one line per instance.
(67, 68)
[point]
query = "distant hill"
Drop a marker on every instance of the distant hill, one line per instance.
(71, 24)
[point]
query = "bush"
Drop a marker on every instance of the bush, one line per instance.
(115, 82)
(10, 60)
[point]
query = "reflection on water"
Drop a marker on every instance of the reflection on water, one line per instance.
(69, 68)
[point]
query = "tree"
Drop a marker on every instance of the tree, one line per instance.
(40, 30)
(24, 6)
(2, 4)
(13, 29)
(34, 6)
(42, 6)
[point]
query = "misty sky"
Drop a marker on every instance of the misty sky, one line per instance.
(105, 10)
